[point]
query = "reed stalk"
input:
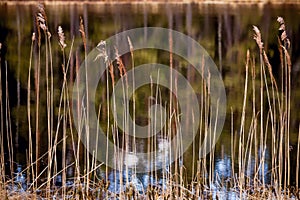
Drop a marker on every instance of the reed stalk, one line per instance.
(270, 119)
(2, 150)
(298, 158)
(86, 126)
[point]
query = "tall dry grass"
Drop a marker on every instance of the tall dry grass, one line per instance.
(268, 128)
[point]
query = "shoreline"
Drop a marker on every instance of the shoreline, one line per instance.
(158, 2)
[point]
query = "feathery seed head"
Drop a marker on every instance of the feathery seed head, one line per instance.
(130, 44)
(61, 37)
(280, 20)
(82, 32)
(41, 19)
(257, 38)
(282, 32)
(101, 47)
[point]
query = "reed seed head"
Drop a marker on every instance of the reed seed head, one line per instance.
(101, 47)
(61, 37)
(257, 38)
(41, 20)
(120, 64)
(82, 32)
(281, 22)
(41, 9)
(282, 32)
(130, 44)
(283, 35)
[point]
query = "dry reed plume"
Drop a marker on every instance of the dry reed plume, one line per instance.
(86, 183)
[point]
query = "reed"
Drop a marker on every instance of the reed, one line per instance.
(249, 142)
(2, 150)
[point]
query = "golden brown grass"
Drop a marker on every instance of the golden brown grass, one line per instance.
(273, 122)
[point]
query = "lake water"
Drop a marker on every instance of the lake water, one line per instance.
(224, 31)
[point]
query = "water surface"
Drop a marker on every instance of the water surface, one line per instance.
(225, 31)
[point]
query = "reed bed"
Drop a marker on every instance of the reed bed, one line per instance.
(270, 100)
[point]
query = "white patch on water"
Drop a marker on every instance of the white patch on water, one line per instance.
(163, 145)
(162, 158)
(130, 160)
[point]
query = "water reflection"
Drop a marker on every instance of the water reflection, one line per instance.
(223, 166)
(120, 179)
(224, 31)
